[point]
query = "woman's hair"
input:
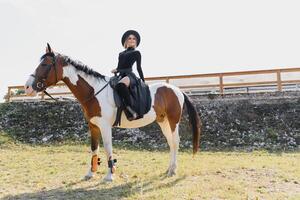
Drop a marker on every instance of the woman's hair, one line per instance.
(125, 43)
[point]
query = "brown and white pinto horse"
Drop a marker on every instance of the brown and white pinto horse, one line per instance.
(100, 109)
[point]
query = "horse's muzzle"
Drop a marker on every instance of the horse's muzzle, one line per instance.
(30, 91)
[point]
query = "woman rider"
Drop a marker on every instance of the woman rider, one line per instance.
(130, 40)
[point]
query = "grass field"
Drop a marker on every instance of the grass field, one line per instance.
(55, 172)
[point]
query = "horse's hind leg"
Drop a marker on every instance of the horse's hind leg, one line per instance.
(173, 141)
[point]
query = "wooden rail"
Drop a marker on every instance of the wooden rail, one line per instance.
(221, 85)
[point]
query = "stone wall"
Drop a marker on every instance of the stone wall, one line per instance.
(268, 121)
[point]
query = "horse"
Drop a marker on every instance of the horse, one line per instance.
(97, 102)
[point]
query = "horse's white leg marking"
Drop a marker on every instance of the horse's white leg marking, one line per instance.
(96, 151)
(173, 141)
(90, 174)
(105, 128)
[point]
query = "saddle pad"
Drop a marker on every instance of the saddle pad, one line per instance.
(139, 95)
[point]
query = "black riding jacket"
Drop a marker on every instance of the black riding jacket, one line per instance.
(127, 59)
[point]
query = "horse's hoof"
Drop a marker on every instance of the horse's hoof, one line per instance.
(171, 173)
(108, 178)
(167, 171)
(88, 176)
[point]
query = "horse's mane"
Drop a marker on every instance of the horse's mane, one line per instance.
(77, 64)
(82, 67)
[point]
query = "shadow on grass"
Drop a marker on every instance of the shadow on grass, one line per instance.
(95, 191)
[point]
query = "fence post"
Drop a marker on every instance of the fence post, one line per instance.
(168, 80)
(43, 96)
(221, 84)
(8, 94)
(279, 84)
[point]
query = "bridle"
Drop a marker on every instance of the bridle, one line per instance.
(41, 82)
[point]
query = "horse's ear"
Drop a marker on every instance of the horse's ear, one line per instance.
(48, 49)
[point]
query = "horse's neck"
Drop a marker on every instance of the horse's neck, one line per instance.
(82, 85)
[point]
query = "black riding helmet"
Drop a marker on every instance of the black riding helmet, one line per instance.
(131, 32)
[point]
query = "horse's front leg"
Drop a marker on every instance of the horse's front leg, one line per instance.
(106, 134)
(95, 160)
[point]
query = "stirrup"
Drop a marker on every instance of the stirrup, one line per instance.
(132, 112)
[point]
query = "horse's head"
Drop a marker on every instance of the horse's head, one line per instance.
(46, 74)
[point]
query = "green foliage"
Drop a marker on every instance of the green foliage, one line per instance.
(272, 134)
(20, 91)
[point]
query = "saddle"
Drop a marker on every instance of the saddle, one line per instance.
(139, 95)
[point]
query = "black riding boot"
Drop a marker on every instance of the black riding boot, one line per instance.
(123, 91)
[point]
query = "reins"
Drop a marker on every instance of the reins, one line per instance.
(46, 93)
(96, 93)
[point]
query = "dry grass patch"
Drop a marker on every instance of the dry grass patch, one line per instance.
(56, 172)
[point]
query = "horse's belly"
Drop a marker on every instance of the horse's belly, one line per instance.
(148, 118)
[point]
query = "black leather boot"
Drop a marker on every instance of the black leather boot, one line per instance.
(123, 91)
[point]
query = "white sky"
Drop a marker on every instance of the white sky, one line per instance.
(178, 37)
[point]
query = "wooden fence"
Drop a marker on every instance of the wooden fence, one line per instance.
(292, 77)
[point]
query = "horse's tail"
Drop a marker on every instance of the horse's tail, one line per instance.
(194, 121)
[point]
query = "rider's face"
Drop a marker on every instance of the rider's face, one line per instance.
(131, 41)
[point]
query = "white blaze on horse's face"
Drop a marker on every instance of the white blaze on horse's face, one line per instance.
(28, 87)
